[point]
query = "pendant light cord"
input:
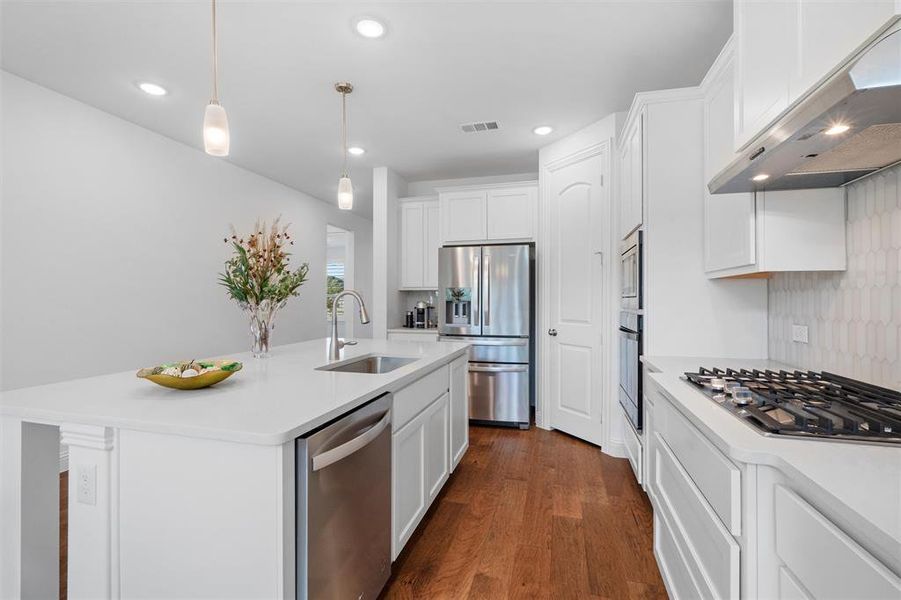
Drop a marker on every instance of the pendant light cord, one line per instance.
(344, 133)
(215, 59)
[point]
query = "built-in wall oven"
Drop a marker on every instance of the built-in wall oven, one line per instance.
(630, 328)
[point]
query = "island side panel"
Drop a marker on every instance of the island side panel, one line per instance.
(205, 518)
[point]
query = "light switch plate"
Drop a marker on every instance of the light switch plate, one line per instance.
(799, 334)
(86, 482)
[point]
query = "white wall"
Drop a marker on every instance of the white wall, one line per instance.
(112, 238)
(425, 188)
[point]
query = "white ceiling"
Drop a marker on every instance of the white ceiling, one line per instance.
(441, 64)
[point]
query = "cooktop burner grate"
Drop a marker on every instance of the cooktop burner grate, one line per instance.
(806, 403)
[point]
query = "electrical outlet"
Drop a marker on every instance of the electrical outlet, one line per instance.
(799, 333)
(86, 482)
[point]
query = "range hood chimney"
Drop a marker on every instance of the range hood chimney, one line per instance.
(848, 127)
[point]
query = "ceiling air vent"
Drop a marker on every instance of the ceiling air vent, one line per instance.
(476, 127)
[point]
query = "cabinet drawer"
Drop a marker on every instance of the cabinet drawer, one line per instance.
(411, 400)
(718, 479)
(822, 558)
(673, 567)
(714, 555)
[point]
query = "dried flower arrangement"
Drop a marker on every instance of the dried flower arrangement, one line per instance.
(259, 277)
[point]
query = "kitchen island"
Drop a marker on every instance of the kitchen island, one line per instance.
(189, 494)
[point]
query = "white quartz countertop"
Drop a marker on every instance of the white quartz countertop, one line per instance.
(426, 330)
(270, 401)
(865, 478)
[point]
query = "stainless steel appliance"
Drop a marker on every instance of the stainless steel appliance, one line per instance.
(846, 128)
(631, 271)
(630, 326)
(805, 404)
(488, 301)
(343, 504)
(630, 348)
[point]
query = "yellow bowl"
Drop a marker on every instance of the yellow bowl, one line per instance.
(226, 369)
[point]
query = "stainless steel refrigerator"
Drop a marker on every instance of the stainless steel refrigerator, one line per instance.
(486, 297)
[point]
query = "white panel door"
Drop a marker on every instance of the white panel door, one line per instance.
(463, 216)
(511, 213)
(578, 203)
(412, 236)
(431, 225)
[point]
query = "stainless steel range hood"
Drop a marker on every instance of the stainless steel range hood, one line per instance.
(848, 127)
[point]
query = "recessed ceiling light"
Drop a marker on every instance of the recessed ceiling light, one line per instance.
(370, 28)
(542, 130)
(837, 129)
(356, 150)
(152, 88)
(761, 177)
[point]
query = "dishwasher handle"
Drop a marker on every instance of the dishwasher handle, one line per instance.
(330, 457)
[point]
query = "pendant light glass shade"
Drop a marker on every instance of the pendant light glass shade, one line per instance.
(215, 130)
(345, 193)
(215, 121)
(345, 187)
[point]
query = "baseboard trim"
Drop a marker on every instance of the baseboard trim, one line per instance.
(615, 448)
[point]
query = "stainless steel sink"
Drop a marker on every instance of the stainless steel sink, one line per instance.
(370, 364)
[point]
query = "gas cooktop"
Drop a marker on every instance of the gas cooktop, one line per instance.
(806, 404)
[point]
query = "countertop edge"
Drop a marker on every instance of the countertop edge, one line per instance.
(38, 415)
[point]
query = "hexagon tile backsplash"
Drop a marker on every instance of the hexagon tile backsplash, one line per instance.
(853, 317)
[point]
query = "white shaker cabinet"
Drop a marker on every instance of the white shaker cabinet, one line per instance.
(762, 232)
(491, 213)
(510, 213)
(631, 191)
(463, 216)
(785, 47)
(419, 243)
(729, 219)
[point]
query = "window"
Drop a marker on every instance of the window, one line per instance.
(338, 267)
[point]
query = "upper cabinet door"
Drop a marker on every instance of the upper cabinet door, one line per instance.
(631, 191)
(463, 216)
(828, 32)
(511, 213)
(730, 224)
(432, 242)
(412, 235)
(767, 50)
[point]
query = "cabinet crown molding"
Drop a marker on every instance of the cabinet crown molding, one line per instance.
(487, 186)
(424, 198)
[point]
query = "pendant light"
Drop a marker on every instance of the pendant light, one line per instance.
(345, 187)
(215, 121)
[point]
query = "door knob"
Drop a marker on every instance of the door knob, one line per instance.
(552, 332)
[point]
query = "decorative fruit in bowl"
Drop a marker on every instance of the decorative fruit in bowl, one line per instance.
(192, 374)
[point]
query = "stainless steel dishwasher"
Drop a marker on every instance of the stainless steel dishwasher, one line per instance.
(344, 505)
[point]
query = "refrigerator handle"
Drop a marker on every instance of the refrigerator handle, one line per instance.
(475, 278)
(487, 318)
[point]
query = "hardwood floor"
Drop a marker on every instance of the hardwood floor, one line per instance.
(532, 514)
(527, 514)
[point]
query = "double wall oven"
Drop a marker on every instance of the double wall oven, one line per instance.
(630, 328)
(486, 299)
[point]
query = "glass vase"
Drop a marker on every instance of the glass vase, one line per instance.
(262, 322)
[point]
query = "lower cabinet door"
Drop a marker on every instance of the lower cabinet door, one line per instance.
(459, 410)
(437, 447)
(408, 493)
